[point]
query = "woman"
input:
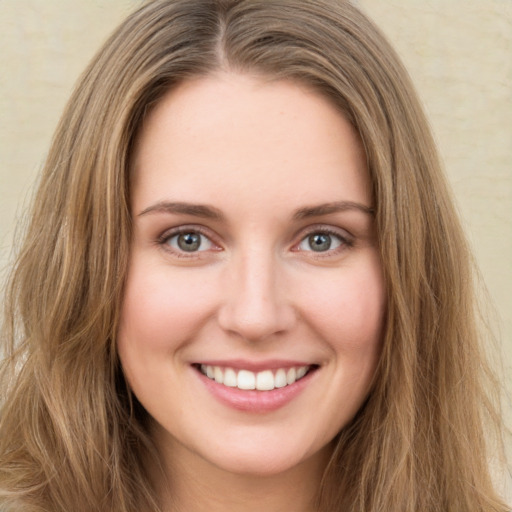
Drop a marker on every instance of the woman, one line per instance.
(236, 290)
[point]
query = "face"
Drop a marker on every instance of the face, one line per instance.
(253, 311)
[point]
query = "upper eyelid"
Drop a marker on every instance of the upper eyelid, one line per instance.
(186, 228)
(169, 233)
(323, 228)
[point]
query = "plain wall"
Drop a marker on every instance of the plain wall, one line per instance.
(458, 52)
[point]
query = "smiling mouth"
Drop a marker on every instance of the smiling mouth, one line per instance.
(265, 380)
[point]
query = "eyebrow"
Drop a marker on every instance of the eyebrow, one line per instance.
(210, 212)
(196, 210)
(328, 208)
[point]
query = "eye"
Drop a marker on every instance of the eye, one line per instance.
(188, 241)
(321, 241)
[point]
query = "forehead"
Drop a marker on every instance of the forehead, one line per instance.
(252, 136)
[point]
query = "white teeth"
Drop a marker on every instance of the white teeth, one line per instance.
(230, 378)
(218, 375)
(246, 380)
(265, 380)
(280, 379)
(301, 372)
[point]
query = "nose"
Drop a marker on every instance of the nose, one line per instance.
(255, 302)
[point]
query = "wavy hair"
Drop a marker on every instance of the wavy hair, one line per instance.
(72, 437)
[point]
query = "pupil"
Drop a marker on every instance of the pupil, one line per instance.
(189, 241)
(320, 242)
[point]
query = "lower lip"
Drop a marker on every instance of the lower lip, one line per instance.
(253, 400)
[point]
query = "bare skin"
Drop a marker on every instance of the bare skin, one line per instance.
(213, 490)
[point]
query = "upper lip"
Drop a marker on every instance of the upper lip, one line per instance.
(254, 366)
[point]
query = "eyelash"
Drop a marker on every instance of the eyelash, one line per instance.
(163, 240)
(345, 241)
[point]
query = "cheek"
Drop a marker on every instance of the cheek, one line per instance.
(348, 308)
(162, 307)
(162, 311)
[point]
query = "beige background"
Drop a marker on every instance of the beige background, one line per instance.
(459, 53)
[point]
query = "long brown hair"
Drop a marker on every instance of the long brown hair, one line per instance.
(71, 435)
